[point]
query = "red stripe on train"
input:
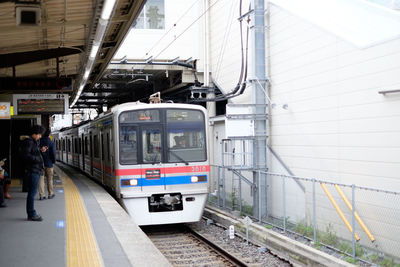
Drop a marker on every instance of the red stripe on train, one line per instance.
(166, 170)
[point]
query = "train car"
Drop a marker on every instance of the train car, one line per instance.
(69, 146)
(153, 157)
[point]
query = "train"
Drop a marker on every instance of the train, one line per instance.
(152, 157)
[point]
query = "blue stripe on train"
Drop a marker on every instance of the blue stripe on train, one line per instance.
(170, 180)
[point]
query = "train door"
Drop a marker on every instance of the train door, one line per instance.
(151, 150)
(102, 156)
(106, 146)
(62, 149)
(91, 154)
(83, 153)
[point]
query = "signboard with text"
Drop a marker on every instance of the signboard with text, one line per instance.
(41, 103)
(36, 84)
(5, 110)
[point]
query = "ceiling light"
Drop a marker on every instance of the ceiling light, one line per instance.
(107, 9)
(95, 48)
(87, 72)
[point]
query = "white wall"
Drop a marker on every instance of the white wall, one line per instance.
(140, 41)
(225, 48)
(338, 127)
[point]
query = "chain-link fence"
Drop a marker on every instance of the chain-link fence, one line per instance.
(319, 211)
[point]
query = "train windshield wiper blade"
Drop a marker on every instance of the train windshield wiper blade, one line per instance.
(177, 156)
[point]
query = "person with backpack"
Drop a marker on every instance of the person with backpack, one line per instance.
(49, 158)
(33, 160)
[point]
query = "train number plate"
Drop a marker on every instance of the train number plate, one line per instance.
(152, 174)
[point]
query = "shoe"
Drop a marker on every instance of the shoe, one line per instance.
(36, 218)
(42, 198)
(3, 205)
(51, 196)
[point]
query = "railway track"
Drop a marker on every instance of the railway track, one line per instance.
(183, 246)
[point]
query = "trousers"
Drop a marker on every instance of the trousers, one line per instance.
(48, 173)
(33, 182)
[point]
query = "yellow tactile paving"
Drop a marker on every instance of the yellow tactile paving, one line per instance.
(82, 249)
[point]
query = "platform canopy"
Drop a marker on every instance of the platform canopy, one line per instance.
(41, 39)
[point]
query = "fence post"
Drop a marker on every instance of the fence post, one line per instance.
(259, 196)
(219, 185)
(223, 174)
(353, 219)
(240, 194)
(314, 211)
(284, 203)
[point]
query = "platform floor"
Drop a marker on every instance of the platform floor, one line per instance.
(82, 226)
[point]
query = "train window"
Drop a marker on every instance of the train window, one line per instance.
(186, 135)
(79, 145)
(96, 146)
(76, 145)
(149, 115)
(151, 139)
(128, 145)
(108, 146)
(69, 146)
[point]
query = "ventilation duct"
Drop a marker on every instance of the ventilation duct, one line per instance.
(28, 15)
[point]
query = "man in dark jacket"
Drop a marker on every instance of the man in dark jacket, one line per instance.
(49, 158)
(33, 168)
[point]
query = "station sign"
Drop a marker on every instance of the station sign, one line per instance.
(5, 110)
(36, 84)
(41, 103)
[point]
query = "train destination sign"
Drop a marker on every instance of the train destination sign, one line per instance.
(36, 84)
(40, 103)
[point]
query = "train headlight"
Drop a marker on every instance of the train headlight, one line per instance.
(129, 182)
(200, 178)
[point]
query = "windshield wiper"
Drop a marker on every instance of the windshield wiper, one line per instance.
(177, 156)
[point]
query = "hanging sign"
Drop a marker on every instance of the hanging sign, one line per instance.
(41, 103)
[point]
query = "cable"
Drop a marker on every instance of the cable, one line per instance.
(165, 34)
(225, 40)
(242, 82)
(187, 28)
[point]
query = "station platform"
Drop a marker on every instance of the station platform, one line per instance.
(82, 226)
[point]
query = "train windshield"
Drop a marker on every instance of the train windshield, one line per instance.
(128, 144)
(185, 135)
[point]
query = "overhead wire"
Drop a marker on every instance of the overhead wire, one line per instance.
(166, 33)
(174, 25)
(225, 39)
(188, 27)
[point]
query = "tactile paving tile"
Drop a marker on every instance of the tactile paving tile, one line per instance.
(82, 249)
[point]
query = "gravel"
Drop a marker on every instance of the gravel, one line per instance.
(251, 254)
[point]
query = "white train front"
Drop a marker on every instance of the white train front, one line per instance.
(152, 156)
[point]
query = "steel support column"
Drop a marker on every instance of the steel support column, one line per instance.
(259, 98)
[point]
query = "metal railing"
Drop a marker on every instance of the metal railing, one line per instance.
(322, 212)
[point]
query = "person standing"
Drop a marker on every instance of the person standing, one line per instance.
(33, 168)
(2, 178)
(49, 158)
